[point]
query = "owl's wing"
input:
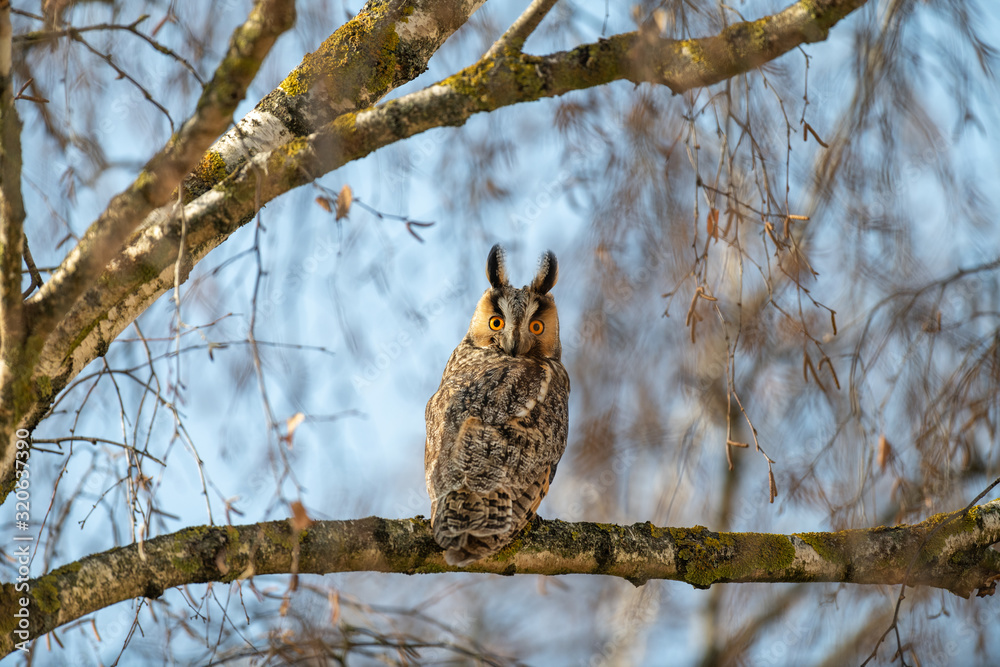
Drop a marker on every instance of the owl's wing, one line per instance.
(498, 493)
(492, 450)
(470, 525)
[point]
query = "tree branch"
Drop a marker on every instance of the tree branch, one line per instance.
(12, 245)
(24, 389)
(513, 39)
(386, 45)
(160, 177)
(127, 288)
(957, 557)
(11, 204)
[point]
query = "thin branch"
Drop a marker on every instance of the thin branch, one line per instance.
(483, 87)
(164, 172)
(36, 277)
(513, 39)
(30, 39)
(122, 74)
(93, 440)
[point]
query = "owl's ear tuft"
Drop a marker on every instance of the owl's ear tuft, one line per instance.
(548, 273)
(496, 267)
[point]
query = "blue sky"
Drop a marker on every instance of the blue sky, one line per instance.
(387, 311)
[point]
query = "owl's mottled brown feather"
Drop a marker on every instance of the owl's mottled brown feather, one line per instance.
(497, 425)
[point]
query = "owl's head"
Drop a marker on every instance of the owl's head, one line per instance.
(518, 322)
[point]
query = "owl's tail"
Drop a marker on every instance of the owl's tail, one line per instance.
(471, 525)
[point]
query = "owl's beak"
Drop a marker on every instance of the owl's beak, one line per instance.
(510, 341)
(514, 344)
(523, 345)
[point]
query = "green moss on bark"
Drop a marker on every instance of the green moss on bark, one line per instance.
(357, 62)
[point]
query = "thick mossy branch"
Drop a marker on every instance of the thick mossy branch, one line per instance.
(158, 181)
(949, 551)
(387, 44)
(31, 388)
(691, 63)
(410, 32)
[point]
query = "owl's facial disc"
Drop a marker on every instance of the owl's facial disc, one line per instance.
(516, 322)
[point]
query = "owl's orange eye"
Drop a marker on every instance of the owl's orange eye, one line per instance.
(496, 323)
(536, 327)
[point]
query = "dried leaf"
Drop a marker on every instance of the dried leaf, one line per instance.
(410, 224)
(806, 127)
(808, 365)
(344, 199)
(660, 19)
(293, 423)
(769, 228)
(691, 313)
(705, 295)
(884, 452)
(324, 203)
(712, 221)
(300, 520)
(334, 598)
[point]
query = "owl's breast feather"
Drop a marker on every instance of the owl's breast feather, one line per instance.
(497, 388)
(543, 389)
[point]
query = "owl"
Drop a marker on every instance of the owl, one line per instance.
(497, 425)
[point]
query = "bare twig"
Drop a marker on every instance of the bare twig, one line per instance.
(405, 219)
(514, 37)
(163, 173)
(122, 74)
(36, 277)
(42, 36)
(94, 440)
